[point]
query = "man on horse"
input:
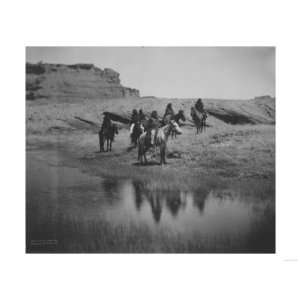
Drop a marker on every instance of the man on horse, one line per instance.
(152, 127)
(106, 124)
(199, 115)
(136, 127)
(199, 105)
(169, 114)
(142, 116)
(133, 120)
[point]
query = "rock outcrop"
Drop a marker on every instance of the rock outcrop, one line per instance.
(72, 82)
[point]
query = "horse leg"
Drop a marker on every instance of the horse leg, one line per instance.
(173, 134)
(140, 154)
(162, 154)
(107, 142)
(99, 135)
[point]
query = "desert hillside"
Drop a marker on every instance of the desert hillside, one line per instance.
(64, 92)
(260, 110)
(73, 82)
(45, 116)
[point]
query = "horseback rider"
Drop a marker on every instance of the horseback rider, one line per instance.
(142, 116)
(169, 111)
(200, 108)
(199, 115)
(134, 119)
(152, 125)
(106, 122)
(199, 105)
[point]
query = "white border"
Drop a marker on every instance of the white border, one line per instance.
(149, 23)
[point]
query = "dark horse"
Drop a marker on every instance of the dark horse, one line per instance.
(179, 116)
(107, 134)
(199, 119)
(161, 142)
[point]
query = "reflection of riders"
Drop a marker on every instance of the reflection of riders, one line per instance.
(152, 125)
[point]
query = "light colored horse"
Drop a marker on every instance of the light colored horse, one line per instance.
(160, 141)
(179, 116)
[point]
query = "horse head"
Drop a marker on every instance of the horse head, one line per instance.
(175, 127)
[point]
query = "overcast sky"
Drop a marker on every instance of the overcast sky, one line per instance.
(183, 72)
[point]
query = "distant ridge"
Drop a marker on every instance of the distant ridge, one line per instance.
(72, 82)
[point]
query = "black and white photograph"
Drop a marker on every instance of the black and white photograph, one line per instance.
(150, 149)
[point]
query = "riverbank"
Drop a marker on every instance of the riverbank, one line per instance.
(240, 153)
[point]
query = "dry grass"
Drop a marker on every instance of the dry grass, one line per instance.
(223, 152)
(74, 234)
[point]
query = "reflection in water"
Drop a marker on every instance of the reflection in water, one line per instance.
(171, 200)
(156, 207)
(199, 199)
(59, 198)
(138, 196)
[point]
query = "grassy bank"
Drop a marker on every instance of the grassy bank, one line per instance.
(236, 152)
(224, 152)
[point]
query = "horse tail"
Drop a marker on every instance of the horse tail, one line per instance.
(101, 140)
(163, 152)
(140, 151)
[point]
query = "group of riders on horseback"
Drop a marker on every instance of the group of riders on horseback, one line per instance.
(139, 123)
(149, 127)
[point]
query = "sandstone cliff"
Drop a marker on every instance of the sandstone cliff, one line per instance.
(74, 82)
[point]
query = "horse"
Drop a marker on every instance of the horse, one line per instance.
(137, 130)
(199, 119)
(179, 116)
(160, 141)
(108, 135)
